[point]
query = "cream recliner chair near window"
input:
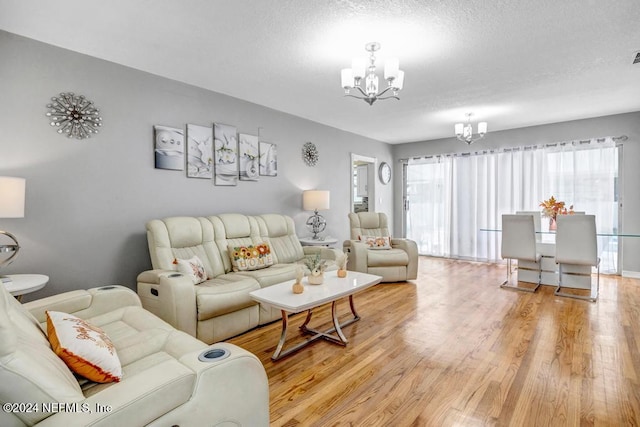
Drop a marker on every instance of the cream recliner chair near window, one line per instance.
(400, 263)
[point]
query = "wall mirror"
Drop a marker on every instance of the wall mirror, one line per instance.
(363, 179)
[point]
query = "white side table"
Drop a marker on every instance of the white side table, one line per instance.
(21, 284)
(322, 241)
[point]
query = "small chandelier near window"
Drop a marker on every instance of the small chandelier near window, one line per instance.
(464, 131)
(359, 72)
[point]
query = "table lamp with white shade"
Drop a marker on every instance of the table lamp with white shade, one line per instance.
(12, 195)
(316, 200)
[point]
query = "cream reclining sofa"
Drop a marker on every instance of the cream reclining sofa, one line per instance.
(396, 264)
(163, 381)
(220, 307)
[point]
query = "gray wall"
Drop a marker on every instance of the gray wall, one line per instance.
(616, 125)
(88, 201)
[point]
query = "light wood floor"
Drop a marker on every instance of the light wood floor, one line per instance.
(453, 349)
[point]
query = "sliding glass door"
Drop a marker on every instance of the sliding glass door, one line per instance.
(449, 198)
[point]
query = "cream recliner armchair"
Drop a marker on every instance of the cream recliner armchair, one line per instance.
(399, 263)
(169, 378)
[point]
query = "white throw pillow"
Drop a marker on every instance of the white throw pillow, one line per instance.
(85, 348)
(376, 242)
(192, 267)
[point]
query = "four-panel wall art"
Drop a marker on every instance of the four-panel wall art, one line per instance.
(216, 152)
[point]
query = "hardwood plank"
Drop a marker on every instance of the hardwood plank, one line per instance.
(452, 348)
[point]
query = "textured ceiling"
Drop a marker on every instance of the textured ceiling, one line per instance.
(512, 63)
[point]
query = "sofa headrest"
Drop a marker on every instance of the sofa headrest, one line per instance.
(176, 232)
(368, 224)
(237, 225)
(184, 232)
(29, 369)
(7, 334)
(277, 225)
(372, 220)
(17, 323)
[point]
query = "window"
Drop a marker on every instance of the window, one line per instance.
(450, 198)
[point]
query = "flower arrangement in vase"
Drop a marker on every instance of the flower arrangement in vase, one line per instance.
(316, 267)
(552, 208)
(341, 261)
(297, 287)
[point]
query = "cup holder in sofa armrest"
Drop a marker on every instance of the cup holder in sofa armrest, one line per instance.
(213, 354)
(106, 288)
(175, 275)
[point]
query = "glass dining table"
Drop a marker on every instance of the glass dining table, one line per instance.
(547, 249)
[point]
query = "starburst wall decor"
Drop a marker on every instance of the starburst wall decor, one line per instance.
(74, 115)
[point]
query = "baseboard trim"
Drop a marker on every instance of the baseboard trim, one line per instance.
(631, 274)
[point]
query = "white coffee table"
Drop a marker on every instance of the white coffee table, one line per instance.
(282, 297)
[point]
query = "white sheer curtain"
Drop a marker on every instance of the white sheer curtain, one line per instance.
(429, 184)
(452, 197)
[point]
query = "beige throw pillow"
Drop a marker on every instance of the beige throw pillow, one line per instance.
(248, 258)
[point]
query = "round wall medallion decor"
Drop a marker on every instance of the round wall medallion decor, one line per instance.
(384, 173)
(310, 154)
(74, 115)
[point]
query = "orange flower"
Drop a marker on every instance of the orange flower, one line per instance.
(552, 207)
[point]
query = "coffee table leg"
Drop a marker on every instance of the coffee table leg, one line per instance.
(306, 321)
(356, 316)
(337, 328)
(283, 335)
(336, 323)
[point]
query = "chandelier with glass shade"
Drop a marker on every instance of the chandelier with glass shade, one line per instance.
(464, 131)
(366, 82)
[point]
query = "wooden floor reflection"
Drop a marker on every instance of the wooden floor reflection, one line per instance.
(453, 349)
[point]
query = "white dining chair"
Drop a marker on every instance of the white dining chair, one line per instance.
(519, 242)
(537, 222)
(577, 245)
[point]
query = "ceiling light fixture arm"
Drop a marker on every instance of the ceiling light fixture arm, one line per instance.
(371, 99)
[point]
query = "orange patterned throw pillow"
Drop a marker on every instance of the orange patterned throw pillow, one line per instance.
(85, 348)
(247, 258)
(376, 242)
